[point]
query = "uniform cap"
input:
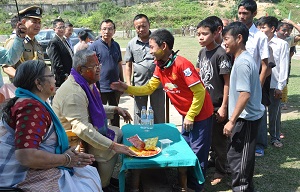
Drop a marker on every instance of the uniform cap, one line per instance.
(32, 11)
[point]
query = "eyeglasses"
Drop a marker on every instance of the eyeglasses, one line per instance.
(60, 27)
(108, 29)
(95, 67)
(51, 75)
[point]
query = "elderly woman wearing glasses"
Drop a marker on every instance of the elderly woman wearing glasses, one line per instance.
(35, 153)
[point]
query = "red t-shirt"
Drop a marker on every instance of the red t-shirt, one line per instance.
(177, 80)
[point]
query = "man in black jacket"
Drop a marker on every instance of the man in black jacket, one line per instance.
(60, 53)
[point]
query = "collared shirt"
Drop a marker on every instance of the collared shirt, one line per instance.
(32, 50)
(109, 57)
(138, 53)
(68, 40)
(257, 45)
(279, 54)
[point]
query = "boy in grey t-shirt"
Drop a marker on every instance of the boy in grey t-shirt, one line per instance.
(245, 108)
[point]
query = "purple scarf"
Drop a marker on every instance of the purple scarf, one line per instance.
(96, 110)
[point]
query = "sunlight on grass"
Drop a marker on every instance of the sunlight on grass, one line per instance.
(258, 175)
(291, 164)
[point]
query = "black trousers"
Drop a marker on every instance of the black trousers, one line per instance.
(112, 98)
(241, 154)
(219, 145)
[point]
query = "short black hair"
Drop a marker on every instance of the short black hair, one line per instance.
(139, 16)
(28, 72)
(83, 35)
(250, 5)
(235, 29)
(107, 21)
(268, 20)
(281, 24)
(68, 24)
(212, 22)
(163, 35)
(57, 21)
(291, 26)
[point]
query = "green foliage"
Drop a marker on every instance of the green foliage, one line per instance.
(283, 9)
(109, 10)
(232, 14)
(4, 1)
(5, 19)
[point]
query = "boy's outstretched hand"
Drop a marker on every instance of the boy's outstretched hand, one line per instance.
(119, 86)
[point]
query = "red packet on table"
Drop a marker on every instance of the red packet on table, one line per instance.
(137, 142)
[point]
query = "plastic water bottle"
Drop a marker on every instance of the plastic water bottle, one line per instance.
(144, 118)
(150, 117)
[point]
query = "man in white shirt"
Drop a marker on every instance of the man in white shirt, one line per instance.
(84, 41)
(280, 56)
(257, 46)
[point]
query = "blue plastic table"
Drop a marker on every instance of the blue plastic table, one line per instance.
(181, 154)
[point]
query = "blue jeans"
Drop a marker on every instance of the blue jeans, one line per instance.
(199, 139)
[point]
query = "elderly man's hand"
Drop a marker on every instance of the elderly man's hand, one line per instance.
(123, 149)
(125, 114)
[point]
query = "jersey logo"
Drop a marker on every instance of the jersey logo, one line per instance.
(170, 86)
(187, 72)
(174, 76)
(27, 50)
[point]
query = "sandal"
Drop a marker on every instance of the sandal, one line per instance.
(284, 107)
(217, 178)
(215, 181)
(277, 144)
(259, 153)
